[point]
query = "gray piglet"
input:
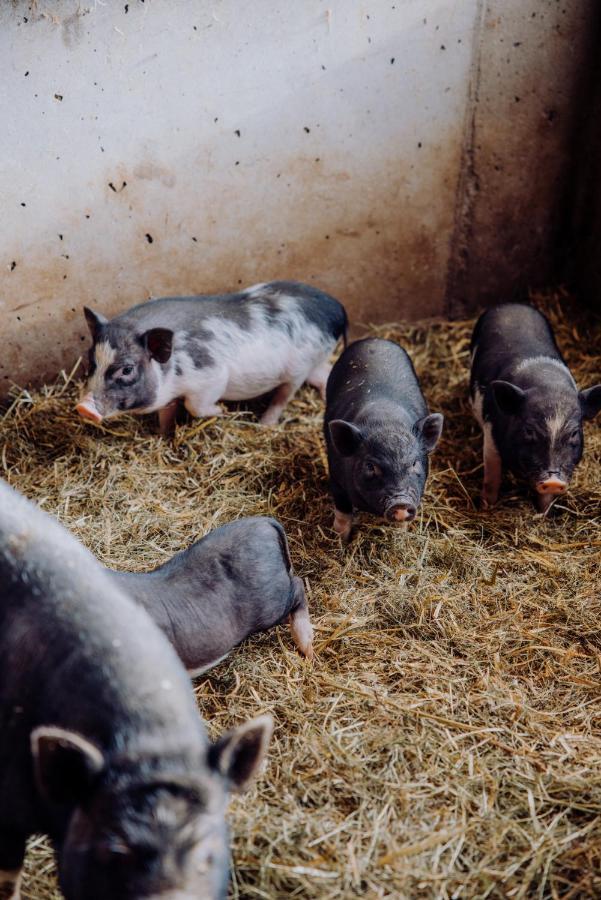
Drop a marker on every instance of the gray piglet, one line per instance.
(378, 433)
(527, 403)
(270, 337)
(101, 744)
(236, 581)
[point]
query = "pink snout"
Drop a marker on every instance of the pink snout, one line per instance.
(402, 512)
(88, 410)
(551, 486)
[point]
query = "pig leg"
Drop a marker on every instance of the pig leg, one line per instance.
(167, 417)
(282, 395)
(300, 623)
(544, 501)
(318, 377)
(343, 513)
(343, 522)
(203, 405)
(492, 469)
(12, 853)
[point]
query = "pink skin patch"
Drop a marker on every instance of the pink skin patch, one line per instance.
(302, 632)
(551, 486)
(87, 409)
(400, 515)
(342, 524)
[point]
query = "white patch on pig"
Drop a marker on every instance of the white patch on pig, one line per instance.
(555, 425)
(105, 356)
(248, 362)
(194, 673)
(477, 401)
(256, 289)
(490, 455)
(544, 360)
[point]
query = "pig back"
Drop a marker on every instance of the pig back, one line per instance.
(507, 334)
(76, 653)
(373, 372)
(231, 583)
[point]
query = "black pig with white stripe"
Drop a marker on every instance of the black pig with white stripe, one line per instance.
(101, 744)
(378, 433)
(234, 582)
(527, 403)
(203, 349)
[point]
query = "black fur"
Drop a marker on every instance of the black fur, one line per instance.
(234, 582)
(378, 454)
(523, 401)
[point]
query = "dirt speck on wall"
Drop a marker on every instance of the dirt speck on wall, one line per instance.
(409, 159)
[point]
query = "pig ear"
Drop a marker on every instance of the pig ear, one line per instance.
(508, 397)
(65, 764)
(95, 321)
(346, 437)
(590, 401)
(159, 343)
(430, 429)
(238, 754)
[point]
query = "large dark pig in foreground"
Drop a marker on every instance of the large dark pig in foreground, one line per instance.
(234, 582)
(270, 337)
(527, 403)
(101, 744)
(378, 434)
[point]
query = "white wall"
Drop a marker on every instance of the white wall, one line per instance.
(354, 167)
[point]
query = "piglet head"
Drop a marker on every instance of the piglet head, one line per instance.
(387, 466)
(136, 833)
(540, 431)
(124, 368)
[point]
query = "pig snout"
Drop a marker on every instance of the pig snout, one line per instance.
(87, 409)
(551, 484)
(401, 511)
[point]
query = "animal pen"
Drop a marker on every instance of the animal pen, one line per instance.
(419, 160)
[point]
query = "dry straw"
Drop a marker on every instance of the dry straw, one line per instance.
(446, 741)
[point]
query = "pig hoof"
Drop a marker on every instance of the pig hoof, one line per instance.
(302, 632)
(271, 417)
(342, 525)
(487, 500)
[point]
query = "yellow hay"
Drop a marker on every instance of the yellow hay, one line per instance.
(446, 741)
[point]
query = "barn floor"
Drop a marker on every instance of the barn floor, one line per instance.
(446, 741)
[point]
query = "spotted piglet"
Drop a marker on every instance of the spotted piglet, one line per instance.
(378, 433)
(527, 403)
(234, 582)
(270, 337)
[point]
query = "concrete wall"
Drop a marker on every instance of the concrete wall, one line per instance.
(406, 155)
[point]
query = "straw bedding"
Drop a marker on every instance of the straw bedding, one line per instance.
(446, 741)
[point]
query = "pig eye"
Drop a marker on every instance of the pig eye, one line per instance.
(529, 434)
(575, 436)
(127, 370)
(371, 470)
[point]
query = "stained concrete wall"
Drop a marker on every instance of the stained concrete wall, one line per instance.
(407, 156)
